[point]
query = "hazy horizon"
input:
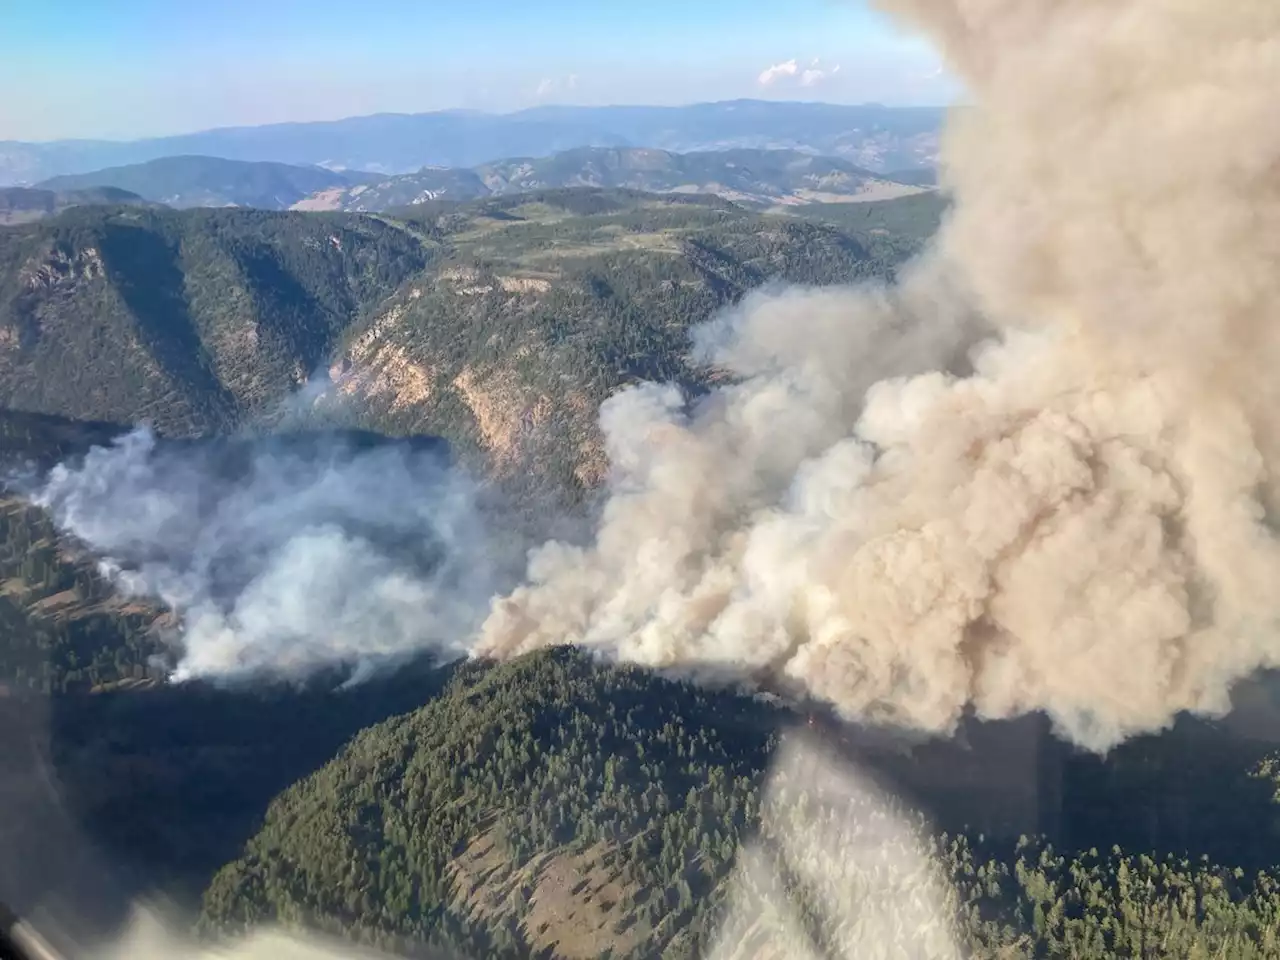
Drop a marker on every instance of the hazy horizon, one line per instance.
(145, 69)
(475, 112)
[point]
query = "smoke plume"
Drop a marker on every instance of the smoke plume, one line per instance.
(289, 553)
(1081, 520)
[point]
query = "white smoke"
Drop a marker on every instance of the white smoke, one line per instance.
(149, 938)
(1075, 517)
(1079, 524)
(284, 555)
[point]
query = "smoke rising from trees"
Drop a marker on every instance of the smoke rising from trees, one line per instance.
(1080, 522)
(1035, 474)
(1039, 474)
(287, 554)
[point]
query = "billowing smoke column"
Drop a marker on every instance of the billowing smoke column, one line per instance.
(290, 553)
(1078, 521)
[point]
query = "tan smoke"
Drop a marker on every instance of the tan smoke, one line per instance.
(1080, 522)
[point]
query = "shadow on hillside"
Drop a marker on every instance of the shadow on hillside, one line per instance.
(156, 789)
(112, 797)
(301, 322)
(1186, 791)
(149, 277)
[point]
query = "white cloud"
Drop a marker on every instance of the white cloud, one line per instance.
(815, 74)
(772, 74)
(790, 70)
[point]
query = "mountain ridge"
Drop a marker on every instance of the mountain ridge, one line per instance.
(20, 205)
(427, 321)
(187, 319)
(751, 177)
(874, 136)
(202, 181)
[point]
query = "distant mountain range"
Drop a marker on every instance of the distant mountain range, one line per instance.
(190, 181)
(757, 178)
(750, 177)
(876, 137)
(25, 204)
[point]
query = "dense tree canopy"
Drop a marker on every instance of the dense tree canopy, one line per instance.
(459, 822)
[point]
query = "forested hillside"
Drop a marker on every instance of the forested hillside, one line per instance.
(163, 784)
(194, 181)
(754, 178)
(64, 626)
(889, 228)
(27, 204)
(499, 325)
(193, 320)
(596, 811)
(547, 303)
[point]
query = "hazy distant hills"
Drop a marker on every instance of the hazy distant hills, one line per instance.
(25, 204)
(193, 181)
(919, 176)
(748, 176)
(761, 178)
(872, 136)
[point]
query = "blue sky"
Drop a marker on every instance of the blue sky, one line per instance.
(130, 68)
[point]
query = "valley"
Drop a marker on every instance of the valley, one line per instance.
(554, 805)
(500, 325)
